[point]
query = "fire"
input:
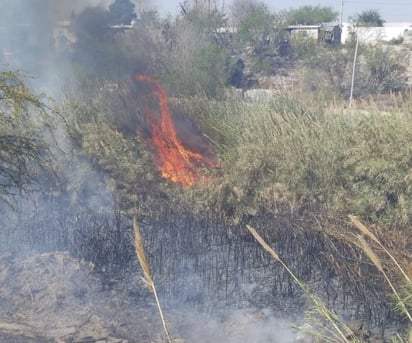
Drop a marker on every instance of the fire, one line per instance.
(176, 162)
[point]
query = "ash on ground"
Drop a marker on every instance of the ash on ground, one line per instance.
(52, 297)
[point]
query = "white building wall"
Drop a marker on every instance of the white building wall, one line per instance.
(373, 35)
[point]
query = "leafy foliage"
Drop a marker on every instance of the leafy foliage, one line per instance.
(255, 25)
(208, 21)
(381, 70)
(309, 15)
(193, 62)
(303, 49)
(369, 18)
(24, 151)
(122, 158)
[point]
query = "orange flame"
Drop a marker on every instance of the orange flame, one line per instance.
(176, 163)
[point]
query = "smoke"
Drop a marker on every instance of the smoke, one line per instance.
(51, 9)
(26, 33)
(57, 283)
(192, 138)
(244, 325)
(168, 7)
(29, 30)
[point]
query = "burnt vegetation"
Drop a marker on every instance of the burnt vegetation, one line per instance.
(294, 161)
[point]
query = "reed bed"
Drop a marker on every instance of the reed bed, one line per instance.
(331, 328)
(403, 304)
(313, 154)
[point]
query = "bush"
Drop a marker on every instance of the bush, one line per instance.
(378, 69)
(382, 70)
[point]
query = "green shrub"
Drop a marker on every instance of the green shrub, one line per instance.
(378, 70)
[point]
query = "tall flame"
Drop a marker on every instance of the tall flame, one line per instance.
(176, 162)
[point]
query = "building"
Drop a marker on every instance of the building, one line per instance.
(407, 36)
(373, 35)
(330, 34)
(327, 33)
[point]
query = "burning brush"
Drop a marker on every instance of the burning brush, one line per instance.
(176, 162)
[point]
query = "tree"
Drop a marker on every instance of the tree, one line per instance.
(254, 22)
(206, 17)
(369, 18)
(122, 12)
(25, 156)
(309, 15)
(195, 61)
(210, 21)
(242, 8)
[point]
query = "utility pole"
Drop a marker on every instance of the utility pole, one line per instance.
(353, 69)
(341, 14)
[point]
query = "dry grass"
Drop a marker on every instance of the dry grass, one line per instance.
(148, 277)
(141, 256)
(367, 249)
(364, 230)
(370, 253)
(338, 332)
(324, 157)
